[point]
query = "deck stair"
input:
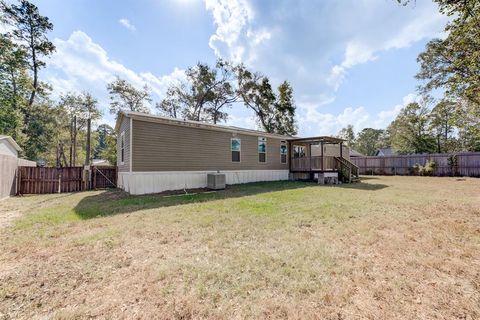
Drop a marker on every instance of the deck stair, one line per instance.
(348, 171)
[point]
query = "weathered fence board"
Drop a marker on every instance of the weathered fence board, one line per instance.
(104, 177)
(37, 180)
(468, 164)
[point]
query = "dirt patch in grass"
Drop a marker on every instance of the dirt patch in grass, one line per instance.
(388, 248)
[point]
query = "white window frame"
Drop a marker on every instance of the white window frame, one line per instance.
(231, 150)
(283, 143)
(122, 148)
(264, 140)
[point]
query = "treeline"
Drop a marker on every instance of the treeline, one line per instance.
(451, 66)
(59, 132)
(209, 92)
(446, 128)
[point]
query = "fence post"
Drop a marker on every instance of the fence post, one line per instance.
(60, 183)
(94, 173)
(19, 180)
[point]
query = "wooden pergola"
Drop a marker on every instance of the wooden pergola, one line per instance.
(314, 163)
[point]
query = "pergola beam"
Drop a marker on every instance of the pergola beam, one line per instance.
(318, 140)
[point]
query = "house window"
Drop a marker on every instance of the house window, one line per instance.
(122, 148)
(262, 149)
(236, 147)
(283, 152)
(299, 151)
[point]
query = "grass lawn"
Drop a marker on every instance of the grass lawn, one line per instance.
(386, 248)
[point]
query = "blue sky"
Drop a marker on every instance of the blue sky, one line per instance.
(349, 61)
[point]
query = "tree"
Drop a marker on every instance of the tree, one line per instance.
(172, 106)
(442, 121)
(14, 84)
(110, 153)
(91, 112)
(106, 144)
(347, 134)
(369, 140)
(30, 30)
(285, 111)
(467, 122)
(453, 63)
(204, 96)
(257, 94)
(208, 92)
(103, 131)
(124, 96)
(275, 113)
(409, 132)
(80, 110)
(41, 130)
(224, 93)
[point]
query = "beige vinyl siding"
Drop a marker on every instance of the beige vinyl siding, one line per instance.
(164, 147)
(124, 127)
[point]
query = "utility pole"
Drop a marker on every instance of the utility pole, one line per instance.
(71, 144)
(74, 140)
(87, 156)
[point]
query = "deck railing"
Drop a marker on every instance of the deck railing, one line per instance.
(306, 164)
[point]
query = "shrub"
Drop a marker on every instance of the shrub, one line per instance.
(427, 170)
(453, 163)
(415, 170)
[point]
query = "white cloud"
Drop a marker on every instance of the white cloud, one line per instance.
(240, 121)
(384, 117)
(81, 64)
(426, 23)
(235, 37)
(327, 123)
(127, 24)
(319, 123)
(314, 44)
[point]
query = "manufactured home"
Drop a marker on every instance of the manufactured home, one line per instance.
(156, 154)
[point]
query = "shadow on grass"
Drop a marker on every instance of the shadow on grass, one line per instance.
(113, 202)
(364, 186)
(368, 178)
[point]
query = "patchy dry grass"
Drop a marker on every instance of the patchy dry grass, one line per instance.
(390, 247)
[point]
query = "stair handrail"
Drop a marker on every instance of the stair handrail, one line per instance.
(350, 165)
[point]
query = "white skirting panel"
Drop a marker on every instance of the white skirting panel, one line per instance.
(154, 182)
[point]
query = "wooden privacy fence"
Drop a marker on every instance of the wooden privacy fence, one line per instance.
(38, 180)
(464, 164)
(104, 177)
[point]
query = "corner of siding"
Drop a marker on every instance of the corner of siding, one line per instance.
(131, 146)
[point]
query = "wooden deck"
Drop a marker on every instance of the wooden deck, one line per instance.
(310, 164)
(307, 166)
(304, 163)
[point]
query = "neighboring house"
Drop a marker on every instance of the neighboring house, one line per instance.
(383, 152)
(156, 154)
(355, 153)
(101, 163)
(9, 163)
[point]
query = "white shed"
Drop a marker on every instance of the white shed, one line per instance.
(8, 146)
(9, 163)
